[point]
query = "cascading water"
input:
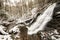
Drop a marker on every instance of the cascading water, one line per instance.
(38, 25)
(42, 20)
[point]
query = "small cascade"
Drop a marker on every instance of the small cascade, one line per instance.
(41, 20)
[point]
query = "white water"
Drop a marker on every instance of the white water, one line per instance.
(41, 20)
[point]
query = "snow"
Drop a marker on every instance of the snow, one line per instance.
(54, 38)
(15, 29)
(34, 12)
(58, 12)
(55, 31)
(2, 30)
(5, 37)
(24, 18)
(41, 20)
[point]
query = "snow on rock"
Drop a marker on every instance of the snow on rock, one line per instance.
(15, 29)
(17, 35)
(41, 20)
(26, 18)
(5, 22)
(2, 30)
(5, 37)
(34, 11)
(56, 32)
(54, 37)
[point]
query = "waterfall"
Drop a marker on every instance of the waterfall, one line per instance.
(41, 20)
